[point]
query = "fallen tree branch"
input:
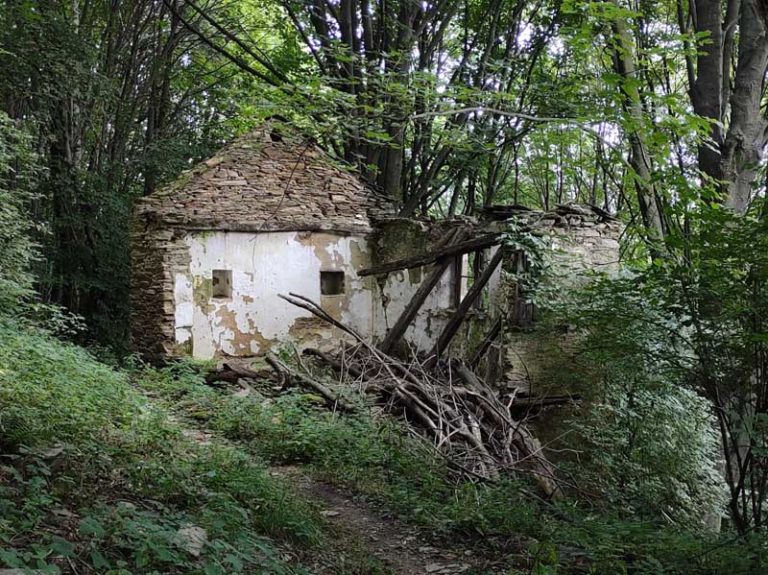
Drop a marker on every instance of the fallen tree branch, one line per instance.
(467, 421)
(332, 400)
(230, 374)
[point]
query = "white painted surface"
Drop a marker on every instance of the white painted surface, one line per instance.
(399, 290)
(263, 266)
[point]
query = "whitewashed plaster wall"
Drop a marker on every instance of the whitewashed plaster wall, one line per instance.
(255, 320)
(437, 308)
(264, 265)
(429, 322)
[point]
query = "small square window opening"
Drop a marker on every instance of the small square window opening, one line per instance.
(222, 284)
(331, 283)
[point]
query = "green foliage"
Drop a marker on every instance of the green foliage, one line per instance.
(95, 474)
(650, 445)
(372, 456)
(18, 173)
(679, 347)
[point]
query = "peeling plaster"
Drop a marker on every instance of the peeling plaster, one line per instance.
(264, 265)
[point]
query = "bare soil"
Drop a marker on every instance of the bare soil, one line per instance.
(363, 530)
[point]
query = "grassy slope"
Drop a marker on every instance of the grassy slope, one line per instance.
(93, 477)
(375, 458)
(96, 477)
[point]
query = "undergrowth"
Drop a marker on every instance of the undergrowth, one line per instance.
(101, 473)
(373, 456)
(96, 479)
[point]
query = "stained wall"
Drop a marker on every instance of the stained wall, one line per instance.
(254, 319)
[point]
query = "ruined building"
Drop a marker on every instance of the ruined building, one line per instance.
(272, 214)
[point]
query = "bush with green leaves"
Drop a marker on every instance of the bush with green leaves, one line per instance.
(18, 173)
(95, 475)
(649, 445)
(694, 321)
(373, 456)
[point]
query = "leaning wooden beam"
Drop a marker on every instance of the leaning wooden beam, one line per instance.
(423, 291)
(489, 338)
(413, 307)
(480, 242)
(458, 316)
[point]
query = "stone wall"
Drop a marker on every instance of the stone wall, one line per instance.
(267, 180)
(582, 241)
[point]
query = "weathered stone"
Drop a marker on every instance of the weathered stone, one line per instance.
(192, 539)
(256, 184)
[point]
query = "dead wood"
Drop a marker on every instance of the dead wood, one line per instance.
(466, 304)
(337, 365)
(466, 420)
(534, 402)
(478, 243)
(414, 305)
(488, 340)
(332, 400)
(418, 299)
(230, 374)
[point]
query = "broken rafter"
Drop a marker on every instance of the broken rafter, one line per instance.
(489, 338)
(418, 299)
(450, 329)
(478, 243)
(413, 307)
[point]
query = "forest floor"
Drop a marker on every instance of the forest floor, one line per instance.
(146, 471)
(364, 537)
(376, 533)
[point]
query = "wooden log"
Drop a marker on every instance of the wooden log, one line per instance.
(230, 374)
(480, 242)
(413, 307)
(458, 316)
(332, 400)
(534, 402)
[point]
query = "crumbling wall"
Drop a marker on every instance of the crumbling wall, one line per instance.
(253, 319)
(155, 253)
(401, 238)
(581, 242)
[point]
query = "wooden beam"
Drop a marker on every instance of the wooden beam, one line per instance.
(424, 289)
(480, 242)
(458, 316)
(413, 307)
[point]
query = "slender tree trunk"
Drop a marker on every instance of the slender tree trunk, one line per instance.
(746, 137)
(640, 158)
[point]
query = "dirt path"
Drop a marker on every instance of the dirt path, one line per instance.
(368, 540)
(401, 549)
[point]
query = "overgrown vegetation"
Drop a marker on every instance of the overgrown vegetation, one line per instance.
(97, 479)
(654, 110)
(372, 456)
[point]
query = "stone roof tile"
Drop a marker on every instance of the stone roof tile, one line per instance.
(264, 183)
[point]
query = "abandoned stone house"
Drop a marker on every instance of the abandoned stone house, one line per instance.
(271, 214)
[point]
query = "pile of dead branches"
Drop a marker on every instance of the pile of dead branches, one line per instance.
(470, 423)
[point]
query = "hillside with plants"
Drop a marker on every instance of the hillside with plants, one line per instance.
(652, 111)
